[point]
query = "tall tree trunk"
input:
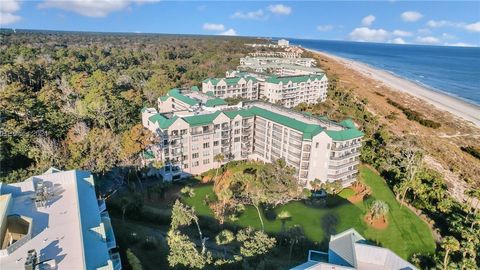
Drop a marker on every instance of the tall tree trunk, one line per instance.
(201, 236)
(445, 260)
(259, 216)
(403, 197)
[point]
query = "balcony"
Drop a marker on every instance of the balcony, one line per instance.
(350, 146)
(348, 174)
(344, 165)
(116, 261)
(354, 154)
(109, 235)
(102, 206)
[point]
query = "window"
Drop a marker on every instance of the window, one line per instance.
(195, 155)
(215, 143)
(236, 139)
(316, 145)
(185, 166)
(206, 161)
(206, 145)
(217, 126)
(237, 131)
(237, 123)
(206, 153)
(195, 164)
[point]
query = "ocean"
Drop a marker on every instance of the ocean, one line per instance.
(452, 70)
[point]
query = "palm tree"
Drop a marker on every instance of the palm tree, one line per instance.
(219, 158)
(284, 216)
(378, 209)
(449, 244)
(295, 234)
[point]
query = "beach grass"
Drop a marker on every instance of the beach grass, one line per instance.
(406, 233)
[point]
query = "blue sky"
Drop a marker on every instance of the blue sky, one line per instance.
(413, 22)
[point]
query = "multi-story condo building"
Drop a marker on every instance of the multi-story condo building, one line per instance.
(316, 147)
(55, 221)
(286, 90)
(184, 99)
(293, 90)
(281, 69)
(254, 61)
(246, 87)
(349, 251)
(283, 43)
(286, 54)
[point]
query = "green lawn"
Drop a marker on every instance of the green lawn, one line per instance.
(405, 235)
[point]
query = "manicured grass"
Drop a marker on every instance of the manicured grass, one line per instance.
(346, 192)
(405, 235)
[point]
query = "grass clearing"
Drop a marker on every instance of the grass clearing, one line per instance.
(405, 235)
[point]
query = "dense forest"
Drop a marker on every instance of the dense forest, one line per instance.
(73, 100)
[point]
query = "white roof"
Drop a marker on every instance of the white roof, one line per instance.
(348, 251)
(62, 230)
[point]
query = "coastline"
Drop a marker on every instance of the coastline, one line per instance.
(444, 102)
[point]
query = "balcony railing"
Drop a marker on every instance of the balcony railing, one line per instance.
(354, 154)
(341, 175)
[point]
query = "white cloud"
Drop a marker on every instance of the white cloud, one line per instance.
(368, 20)
(251, 15)
(229, 32)
(368, 34)
(7, 10)
(448, 36)
(402, 33)
(280, 9)
(92, 8)
(473, 27)
(441, 23)
(325, 28)
(398, 41)
(459, 44)
(427, 40)
(424, 31)
(411, 16)
(213, 27)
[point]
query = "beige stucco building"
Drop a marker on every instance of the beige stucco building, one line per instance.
(318, 148)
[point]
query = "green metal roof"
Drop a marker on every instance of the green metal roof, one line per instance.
(195, 88)
(229, 81)
(162, 121)
(346, 134)
(348, 123)
(201, 119)
(163, 98)
(148, 154)
(308, 130)
(215, 102)
(175, 93)
(293, 79)
(144, 109)
(210, 93)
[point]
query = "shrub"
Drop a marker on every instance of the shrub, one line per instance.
(414, 115)
(471, 150)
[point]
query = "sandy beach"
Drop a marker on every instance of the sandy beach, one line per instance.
(444, 102)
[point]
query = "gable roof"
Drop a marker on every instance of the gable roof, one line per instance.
(308, 130)
(229, 81)
(293, 79)
(346, 134)
(162, 121)
(215, 102)
(175, 93)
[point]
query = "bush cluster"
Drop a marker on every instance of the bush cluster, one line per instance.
(414, 115)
